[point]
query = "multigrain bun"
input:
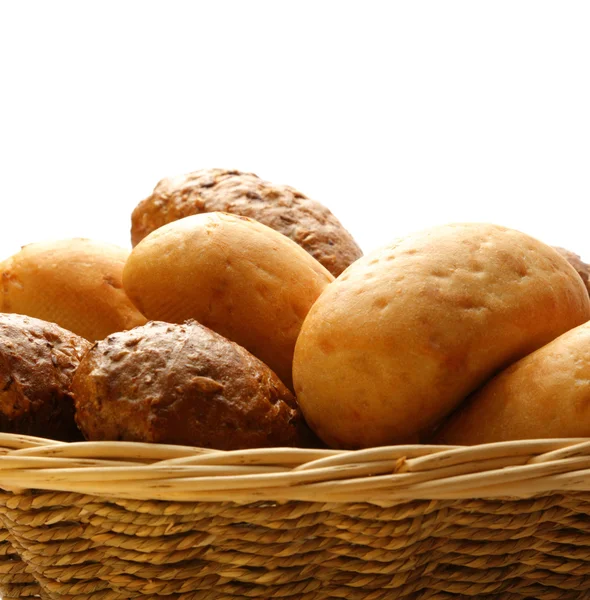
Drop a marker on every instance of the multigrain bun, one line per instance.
(37, 363)
(234, 275)
(75, 283)
(182, 384)
(282, 208)
(544, 395)
(408, 332)
(579, 265)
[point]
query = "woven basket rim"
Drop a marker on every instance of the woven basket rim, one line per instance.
(383, 476)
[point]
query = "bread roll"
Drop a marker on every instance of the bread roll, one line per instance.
(544, 395)
(406, 333)
(182, 384)
(37, 363)
(75, 283)
(579, 265)
(234, 275)
(279, 207)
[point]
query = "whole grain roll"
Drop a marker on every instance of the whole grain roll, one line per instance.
(544, 395)
(182, 384)
(75, 283)
(280, 207)
(234, 275)
(37, 363)
(408, 332)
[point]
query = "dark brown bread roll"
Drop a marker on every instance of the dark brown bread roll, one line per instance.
(182, 384)
(37, 362)
(280, 207)
(578, 264)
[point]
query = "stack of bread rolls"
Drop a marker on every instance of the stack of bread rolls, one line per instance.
(246, 316)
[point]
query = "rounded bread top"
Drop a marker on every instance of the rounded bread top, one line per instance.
(75, 282)
(280, 207)
(182, 384)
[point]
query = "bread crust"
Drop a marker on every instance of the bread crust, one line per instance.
(75, 283)
(280, 207)
(544, 395)
(37, 363)
(579, 265)
(182, 384)
(406, 333)
(234, 275)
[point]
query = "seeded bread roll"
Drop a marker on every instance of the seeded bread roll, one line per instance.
(182, 384)
(234, 275)
(579, 265)
(544, 395)
(280, 207)
(37, 363)
(405, 334)
(75, 283)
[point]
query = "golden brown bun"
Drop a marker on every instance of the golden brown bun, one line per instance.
(234, 275)
(75, 283)
(544, 395)
(182, 384)
(579, 265)
(284, 209)
(406, 333)
(37, 363)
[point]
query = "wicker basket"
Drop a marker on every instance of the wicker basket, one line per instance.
(117, 521)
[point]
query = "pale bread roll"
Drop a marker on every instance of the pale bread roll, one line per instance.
(407, 332)
(544, 395)
(75, 283)
(234, 275)
(578, 264)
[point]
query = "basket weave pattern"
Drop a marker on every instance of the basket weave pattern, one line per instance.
(506, 521)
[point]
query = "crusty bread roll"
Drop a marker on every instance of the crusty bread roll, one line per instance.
(406, 333)
(579, 265)
(234, 275)
(75, 283)
(37, 363)
(280, 207)
(182, 384)
(544, 395)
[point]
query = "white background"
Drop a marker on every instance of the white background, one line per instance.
(396, 115)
